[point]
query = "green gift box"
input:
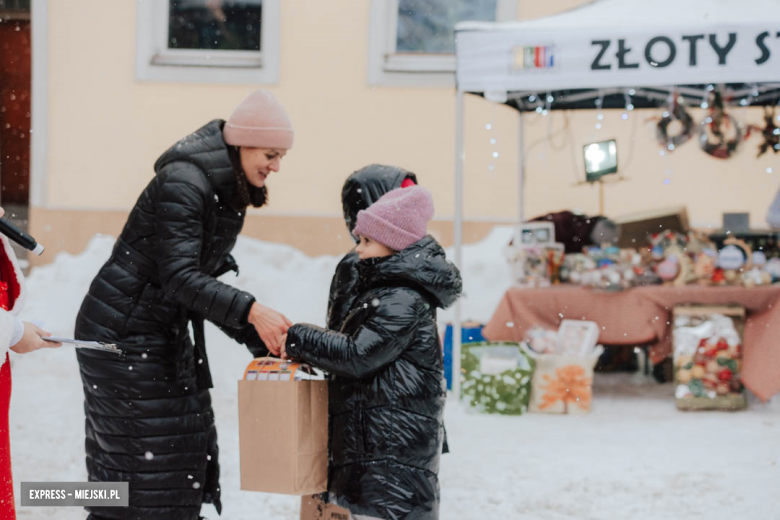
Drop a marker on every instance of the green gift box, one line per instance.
(496, 377)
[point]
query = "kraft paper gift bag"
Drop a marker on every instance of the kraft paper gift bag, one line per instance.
(283, 432)
(313, 508)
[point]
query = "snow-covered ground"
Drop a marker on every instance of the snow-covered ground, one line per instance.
(635, 456)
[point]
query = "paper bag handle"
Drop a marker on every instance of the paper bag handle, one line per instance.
(317, 371)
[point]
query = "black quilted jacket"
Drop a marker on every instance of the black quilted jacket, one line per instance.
(149, 416)
(361, 189)
(387, 389)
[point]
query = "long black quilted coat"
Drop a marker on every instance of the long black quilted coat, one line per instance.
(387, 389)
(149, 419)
(361, 189)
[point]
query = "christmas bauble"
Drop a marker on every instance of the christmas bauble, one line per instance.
(731, 258)
(684, 360)
(667, 270)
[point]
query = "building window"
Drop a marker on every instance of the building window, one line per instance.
(14, 10)
(427, 26)
(233, 41)
(413, 43)
(215, 25)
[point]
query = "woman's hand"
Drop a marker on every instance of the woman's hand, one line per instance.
(32, 340)
(283, 352)
(270, 326)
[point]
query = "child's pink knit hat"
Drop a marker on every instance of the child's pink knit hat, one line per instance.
(398, 219)
(260, 121)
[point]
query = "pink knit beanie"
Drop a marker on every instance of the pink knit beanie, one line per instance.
(260, 121)
(398, 219)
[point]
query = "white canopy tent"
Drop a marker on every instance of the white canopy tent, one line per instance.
(614, 54)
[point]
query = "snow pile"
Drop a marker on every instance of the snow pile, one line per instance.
(634, 456)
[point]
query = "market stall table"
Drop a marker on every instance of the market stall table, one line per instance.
(643, 315)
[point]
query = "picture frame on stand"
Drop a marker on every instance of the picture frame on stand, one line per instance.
(577, 338)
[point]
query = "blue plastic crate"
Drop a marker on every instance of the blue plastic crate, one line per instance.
(468, 335)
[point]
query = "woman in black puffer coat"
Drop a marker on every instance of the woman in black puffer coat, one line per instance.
(149, 419)
(387, 389)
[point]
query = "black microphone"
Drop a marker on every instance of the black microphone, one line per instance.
(20, 237)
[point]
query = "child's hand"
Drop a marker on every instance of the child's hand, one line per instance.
(283, 352)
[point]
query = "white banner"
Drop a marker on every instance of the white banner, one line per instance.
(500, 59)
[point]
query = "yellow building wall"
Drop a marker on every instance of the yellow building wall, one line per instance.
(106, 129)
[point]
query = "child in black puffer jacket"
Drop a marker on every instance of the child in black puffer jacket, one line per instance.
(387, 387)
(361, 189)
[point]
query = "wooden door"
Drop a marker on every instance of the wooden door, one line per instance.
(15, 86)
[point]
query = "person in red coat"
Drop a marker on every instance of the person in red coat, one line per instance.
(21, 337)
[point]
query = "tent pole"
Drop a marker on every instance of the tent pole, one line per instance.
(459, 156)
(601, 197)
(520, 179)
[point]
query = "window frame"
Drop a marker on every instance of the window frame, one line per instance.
(392, 68)
(156, 62)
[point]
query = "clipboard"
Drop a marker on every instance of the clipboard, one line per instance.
(92, 345)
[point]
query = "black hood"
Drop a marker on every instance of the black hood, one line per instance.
(206, 149)
(366, 185)
(422, 265)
